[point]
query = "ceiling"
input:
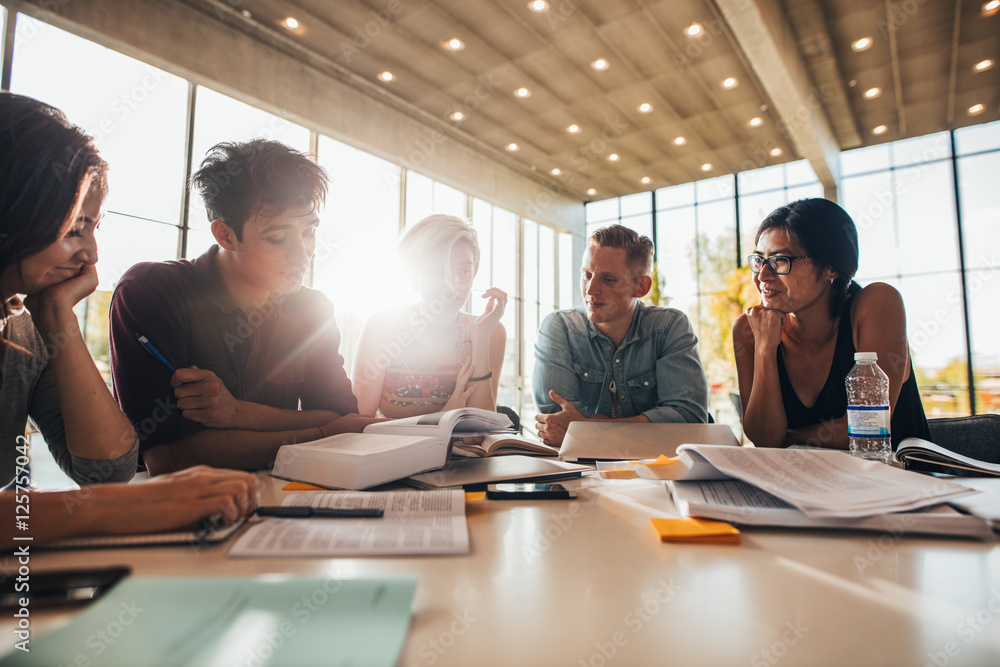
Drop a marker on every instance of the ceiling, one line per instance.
(792, 61)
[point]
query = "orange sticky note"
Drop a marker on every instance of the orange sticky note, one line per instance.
(474, 496)
(663, 460)
(692, 530)
(618, 474)
(302, 486)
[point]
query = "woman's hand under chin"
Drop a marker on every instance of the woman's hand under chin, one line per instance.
(766, 325)
(58, 300)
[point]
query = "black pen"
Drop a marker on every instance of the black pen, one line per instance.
(303, 512)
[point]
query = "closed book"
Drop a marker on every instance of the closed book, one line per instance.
(359, 460)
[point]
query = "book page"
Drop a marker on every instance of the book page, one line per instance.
(462, 421)
(415, 523)
(824, 483)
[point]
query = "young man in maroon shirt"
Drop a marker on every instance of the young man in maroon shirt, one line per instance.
(256, 354)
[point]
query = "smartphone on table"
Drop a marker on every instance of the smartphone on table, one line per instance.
(518, 491)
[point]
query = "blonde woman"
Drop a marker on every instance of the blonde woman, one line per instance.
(431, 356)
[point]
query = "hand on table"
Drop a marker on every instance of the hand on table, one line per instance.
(552, 427)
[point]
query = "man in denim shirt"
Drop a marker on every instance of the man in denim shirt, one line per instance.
(616, 359)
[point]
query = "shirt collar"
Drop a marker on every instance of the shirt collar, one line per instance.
(206, 268)
(633, 331)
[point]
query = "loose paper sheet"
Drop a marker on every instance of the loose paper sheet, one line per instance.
(415, 523)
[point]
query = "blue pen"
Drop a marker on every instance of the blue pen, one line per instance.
(156, 353)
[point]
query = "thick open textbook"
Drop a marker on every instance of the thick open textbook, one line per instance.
(498, 445)
(359, 460)
(415, 523)
(453, 423)
(820, 483)
(931, 457)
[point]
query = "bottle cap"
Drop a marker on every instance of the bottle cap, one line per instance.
(866, 356)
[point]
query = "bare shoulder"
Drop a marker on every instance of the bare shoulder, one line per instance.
(878, 300)
(741, 328)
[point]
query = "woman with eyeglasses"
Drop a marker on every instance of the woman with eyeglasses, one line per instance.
(52, 186)
(794, 349)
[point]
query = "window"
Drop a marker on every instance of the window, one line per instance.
(355, 263)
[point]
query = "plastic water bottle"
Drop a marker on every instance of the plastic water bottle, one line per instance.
(868, 409)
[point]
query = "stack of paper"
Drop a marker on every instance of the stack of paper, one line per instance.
(820, 483)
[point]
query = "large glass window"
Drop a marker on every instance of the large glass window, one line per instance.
(355, 263)
(902, 198)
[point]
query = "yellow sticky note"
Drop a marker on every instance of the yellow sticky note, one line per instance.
(302, 486)
(474, 496)
(694, 530)
(663, 460)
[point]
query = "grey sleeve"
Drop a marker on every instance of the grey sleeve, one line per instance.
(45, 411)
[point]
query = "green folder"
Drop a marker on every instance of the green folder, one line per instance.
(264, 621)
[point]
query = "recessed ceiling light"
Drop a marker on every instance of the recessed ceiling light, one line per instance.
(693, 30)
(556, 171)
(862, 44)
(645, 107)
(591, 192)
(522, 93)
(706, 167)
(457, 115)
(680, 141)
(246, 14)
(538, 6)
(775, 152)
(755, 122)
(991, 7)
(600, 64)
(976, 108)
(729, 82)
(386, 76)
(614, 157)
(872, 93)
(880, 129)
(573, 129)
(453, 44)
(645, 180)
(513, 147)
(291, 23)
(983, 65)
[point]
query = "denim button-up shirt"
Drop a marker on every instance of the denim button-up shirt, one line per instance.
(656, 370)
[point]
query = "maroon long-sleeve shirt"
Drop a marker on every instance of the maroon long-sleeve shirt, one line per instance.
(285, 355)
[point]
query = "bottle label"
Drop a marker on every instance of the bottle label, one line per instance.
(868, 421)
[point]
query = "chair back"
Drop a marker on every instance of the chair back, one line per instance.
(977, 436)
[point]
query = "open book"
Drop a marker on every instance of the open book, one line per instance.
(821, 483)
(919, 454)
(502, 444)
(453, 423)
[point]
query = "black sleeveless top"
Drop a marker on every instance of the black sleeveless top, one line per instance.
(908, 420)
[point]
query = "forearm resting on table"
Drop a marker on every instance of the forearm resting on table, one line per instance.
(224, 448)
(243, 449)
(829, 435)
(258, 417)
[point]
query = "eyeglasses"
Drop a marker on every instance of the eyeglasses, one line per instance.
(779, 264)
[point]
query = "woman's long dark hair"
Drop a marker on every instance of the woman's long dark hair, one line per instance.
(827, 234)
(44, 163)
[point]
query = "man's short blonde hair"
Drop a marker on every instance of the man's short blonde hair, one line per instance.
(638, 249)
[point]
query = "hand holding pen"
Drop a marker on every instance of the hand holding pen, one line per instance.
(201, 396)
